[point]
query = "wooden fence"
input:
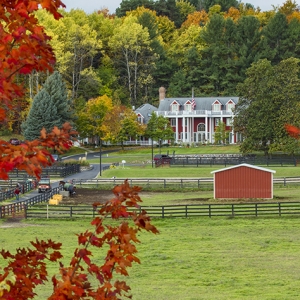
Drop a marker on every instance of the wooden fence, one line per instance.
(230, 159)
(168, 182)
(22, 176)
(23, 205)
(170, 211)
(8, 193)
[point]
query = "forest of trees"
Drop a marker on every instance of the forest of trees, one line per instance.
(182, 45)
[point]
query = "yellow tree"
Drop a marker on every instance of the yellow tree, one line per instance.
(121, 124)
(198, 18)
(90, 119)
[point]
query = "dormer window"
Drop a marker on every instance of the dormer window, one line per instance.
(216, 106)
(174, 107)
(140, 119)
(230, 106)
(188, 106)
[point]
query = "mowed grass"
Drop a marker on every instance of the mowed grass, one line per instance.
(197, 258)
(183, 172)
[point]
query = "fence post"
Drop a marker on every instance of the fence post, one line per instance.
(256, 212)
(209, 210)
(1, 212)
(181, 183)
(71, 211)
(284, 181)
(232, 209)
(186, 211)
(25, 211)
(163, 211)
(279, 209)
(198, 183)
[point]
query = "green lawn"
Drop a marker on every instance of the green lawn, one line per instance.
(183, 172)
(198, 258)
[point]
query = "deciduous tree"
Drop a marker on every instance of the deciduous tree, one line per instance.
(25, 48)
(91, 118)
(121, 125)
(159, 129)
(221, 134)
(268, 101)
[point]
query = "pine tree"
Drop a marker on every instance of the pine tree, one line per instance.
(275, 39)
(43, 113)
(50, 107)
(218, 58)
(248, 38)
(57, 90)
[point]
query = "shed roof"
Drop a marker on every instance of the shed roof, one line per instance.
(244, 165)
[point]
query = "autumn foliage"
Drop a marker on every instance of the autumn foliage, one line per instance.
(25, 48)
(27, 268)
(293, 131)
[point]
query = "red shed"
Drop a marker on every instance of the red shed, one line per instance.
(243, 181)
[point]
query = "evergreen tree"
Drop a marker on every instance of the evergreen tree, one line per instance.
(247, 41)
(191, 64)
(274, 43)
(43, 114)
(50, 107)
(219, 75)
(57, 90)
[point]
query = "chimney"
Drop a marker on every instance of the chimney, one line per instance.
(162, 93)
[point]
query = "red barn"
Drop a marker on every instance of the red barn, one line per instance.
(243, 181)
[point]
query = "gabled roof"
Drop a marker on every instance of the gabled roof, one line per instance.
(204, 103)
(145, 110)
(244, 165)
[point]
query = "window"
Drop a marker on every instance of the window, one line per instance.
(173, 122)
(201, 127)
(174, 107)
(229, 121)
(230, 106)
(188, 107)
(216, 106)
(140, 119)
(217, 121)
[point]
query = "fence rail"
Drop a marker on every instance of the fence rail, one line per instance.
(169, 182)
(183, 211)
(9, 192)
(228, 161)
(22, 205)
(59, 170)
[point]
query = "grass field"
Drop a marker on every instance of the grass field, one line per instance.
(183, 172)
(198, 258)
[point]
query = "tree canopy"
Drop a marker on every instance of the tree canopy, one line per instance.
(269, 99)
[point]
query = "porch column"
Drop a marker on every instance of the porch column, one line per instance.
(188, 129)
(183, 129)
(211, 129)
(206, 127)
(176, 139)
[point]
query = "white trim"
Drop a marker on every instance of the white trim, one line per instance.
(244, 165)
